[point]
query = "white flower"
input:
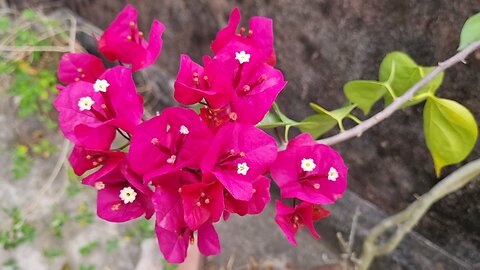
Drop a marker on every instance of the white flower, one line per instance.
(308, 165)
(101, 85)
(184, 130)
(242, 57)
(332, 174)
(127, 195)
(85, 103)
(242, 168)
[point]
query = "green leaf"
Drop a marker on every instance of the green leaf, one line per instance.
(88, 248)
(276, 119)
(317, 124)
(470, 31)
(400, 72)
(364, 93)
(29, 14)
(450, 131)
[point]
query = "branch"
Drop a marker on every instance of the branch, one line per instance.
(408, 218)
(358, 130)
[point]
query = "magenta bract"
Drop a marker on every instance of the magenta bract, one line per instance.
(123, 41)
(310, 171)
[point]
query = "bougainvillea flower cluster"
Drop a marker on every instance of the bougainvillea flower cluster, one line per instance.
(190, 169)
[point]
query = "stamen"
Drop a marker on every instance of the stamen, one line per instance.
(242, 31)
(233, 116)
(99, 185)
(316, 186)
(116, 206)
(132, 24)
(250, 33)
(154, 141)
(202, 194)
(77, 79)
(79, 70)
(171, 159)
(198, 204)
(207, 201)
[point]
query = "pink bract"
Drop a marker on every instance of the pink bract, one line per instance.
(321, 183)
(238, 154)
(76, 67)
(123, 41)
(174, 140)
(291, 219)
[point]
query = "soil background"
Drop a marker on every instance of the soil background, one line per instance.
(321, 45)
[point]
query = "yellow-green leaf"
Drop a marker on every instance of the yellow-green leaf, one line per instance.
(450, 131)
(470, 31)
(364, 93)
(317, 124)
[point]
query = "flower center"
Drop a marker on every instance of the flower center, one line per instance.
(127, 195)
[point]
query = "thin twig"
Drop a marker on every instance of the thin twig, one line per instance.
(357, 131)
(408, 218)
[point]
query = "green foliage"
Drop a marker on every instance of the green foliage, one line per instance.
(87, 267)
(84, 216)
(470, 31)
(10, 264)
(325, 120)
(112, 245)
(400, 73)
(58, 221)
(365, 93)
(88, 248)
(18, 233)
(44, 148)
(21, 162)
(51, 253)
(35, 88)
(168, 266)
(276, 119)
(450, 131)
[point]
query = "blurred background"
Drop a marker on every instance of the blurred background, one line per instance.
(48, 219)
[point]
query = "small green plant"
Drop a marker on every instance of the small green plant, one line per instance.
(19, 231)
(21, 162)
(51, 253)
(10, 264)
(87, 267)
(88, 248)
(112, 245)
(58, 221)
(84, 216)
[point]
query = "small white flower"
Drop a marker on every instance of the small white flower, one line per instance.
(242, 57)
(85, 103)
(101, 85)
(127, 195)
(184, 130)
(332, 174)
(242, 168)
(308, 165)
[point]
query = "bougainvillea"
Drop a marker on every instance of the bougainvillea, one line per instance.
(191, 169)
